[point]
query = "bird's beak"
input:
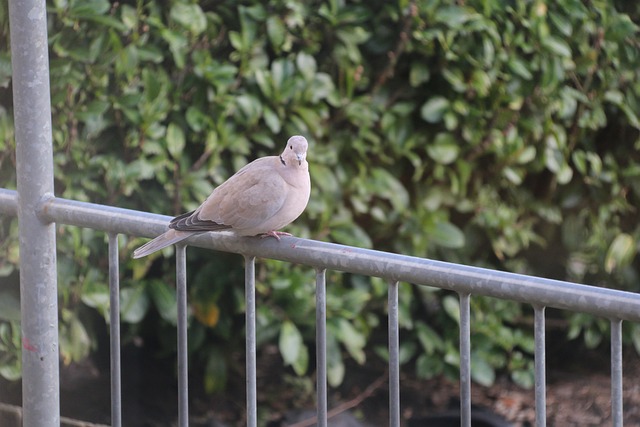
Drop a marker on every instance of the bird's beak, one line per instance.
(300, 158)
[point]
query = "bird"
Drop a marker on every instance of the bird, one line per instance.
(261, 198)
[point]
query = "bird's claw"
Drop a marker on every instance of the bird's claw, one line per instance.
(275, 234)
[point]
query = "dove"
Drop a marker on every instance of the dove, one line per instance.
(260, 199)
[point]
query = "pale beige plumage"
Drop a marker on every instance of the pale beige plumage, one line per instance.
(261, 198)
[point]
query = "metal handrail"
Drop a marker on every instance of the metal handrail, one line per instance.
(466, 280)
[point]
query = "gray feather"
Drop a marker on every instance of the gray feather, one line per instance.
(168, 238)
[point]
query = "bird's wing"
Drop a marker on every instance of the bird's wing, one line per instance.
(249, 198)
(190, 221)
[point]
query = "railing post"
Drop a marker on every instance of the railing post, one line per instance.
(114, 328)
(465, 360)
(394, 356)
(321, 347)
(540, 366)
(34, 159)
(250, 302)
(183, 355)
(616, 373)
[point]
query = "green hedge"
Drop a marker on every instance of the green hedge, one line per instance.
(491, 133)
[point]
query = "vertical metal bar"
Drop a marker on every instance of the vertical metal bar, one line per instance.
(616, 372)
(394, 356)
(114, 327)
(183, 367)
(465, 360)
(250, 302)
(540, 366)
(321, 347)
(34, 160)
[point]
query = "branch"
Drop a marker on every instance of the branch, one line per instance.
(394, 55)
(346, 405)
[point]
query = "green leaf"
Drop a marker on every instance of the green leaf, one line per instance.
(164, 298)
(6, 268)
(406, 351)
(351, 234)
(565, 174)
(444, 149)
(301, 364)
(520, 68)
(620, 28)
(428, 366)
(335, 364)
(197, 120)
(557, 46)
(89, 8)
(12, 371)
(96, 295)
(527, 155)
(621, 252)
(433, 110)
(428, 338)
(264, 81)
(250, 107)
(453, 16)
(292, 348)
(129, 16)
(75, 343)
(512, 175)
(419, 73)
(5, 70)
(481, 82)
(554, 159)
(307, 66)
(175, 140)
(236, 40)
(189, 16)
(635, 336)
(447, 235)
(352, 339)
(281, 72)
(592, 337)
(451, 306)
(177, 44)
(134, 304)
(9, 307)
(524, 378)
(389, 187)
(272, 120)
(276, 32)
(481, 371)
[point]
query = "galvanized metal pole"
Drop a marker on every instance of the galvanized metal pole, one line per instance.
(114, 328)
(250, 301)
(321, 347)
(540, 366)
(34, 158)
(616, 373)
(465, 360)
(394, 355)
(183, 351)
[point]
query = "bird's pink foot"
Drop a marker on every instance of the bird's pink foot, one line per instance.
(275, 234)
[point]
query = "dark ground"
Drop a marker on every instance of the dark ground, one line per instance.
(578, 393)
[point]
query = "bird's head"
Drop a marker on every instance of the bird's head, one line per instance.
(295, 151)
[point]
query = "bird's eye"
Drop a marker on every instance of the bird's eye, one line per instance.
(291, 147)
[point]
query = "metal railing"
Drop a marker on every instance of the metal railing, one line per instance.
(38, 211)
(34, 160)
(465, 280)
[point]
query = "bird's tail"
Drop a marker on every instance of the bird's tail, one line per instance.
(169, 237)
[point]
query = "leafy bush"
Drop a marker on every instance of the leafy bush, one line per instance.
(496, 134)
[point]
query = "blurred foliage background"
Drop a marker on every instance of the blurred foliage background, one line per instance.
(484, 132)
